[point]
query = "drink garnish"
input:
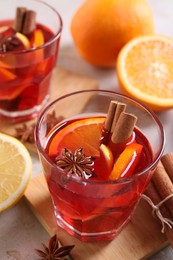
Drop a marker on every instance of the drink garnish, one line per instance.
(25, 21)
(23, 34)
(123, 128)
(76, 163)
(54, 250)
(8, 43)
(118, 135)
(114, 111)
(126, 162)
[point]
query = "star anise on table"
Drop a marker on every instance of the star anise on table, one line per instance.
(52, 120)
(76, 163)
(54, 251)
(25, 133)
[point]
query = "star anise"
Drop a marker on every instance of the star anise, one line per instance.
(25, 133)
(76, 163)
(54, 251)
(8, 43)
(52, 120)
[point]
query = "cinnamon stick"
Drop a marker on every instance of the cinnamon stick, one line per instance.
(123, 128)
(164, 185)
(29, 22)
(152, 193)
(119, 109)
(25, 20)
(110, 115)
(167, 161)
(18, 22)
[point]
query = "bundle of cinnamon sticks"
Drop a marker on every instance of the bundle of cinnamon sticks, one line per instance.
(25, 20)
(161, 189)
(119, 125)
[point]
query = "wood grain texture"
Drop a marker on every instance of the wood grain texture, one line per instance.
(141, 237)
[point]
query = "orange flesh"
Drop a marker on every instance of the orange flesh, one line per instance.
(152, 73)
(6, 75)
(85, 132)
(38, 38)
(126, 162)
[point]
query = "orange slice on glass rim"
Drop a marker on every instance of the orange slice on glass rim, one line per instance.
(145, 70)
(84, 133)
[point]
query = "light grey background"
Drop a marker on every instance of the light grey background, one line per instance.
(20, 232)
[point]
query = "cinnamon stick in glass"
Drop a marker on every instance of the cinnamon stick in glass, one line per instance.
(25, 20)
(114, 111)
(19, 19)
(123, 128)
(119, 109)
(29, 23)
(108, 122)
(110, 115)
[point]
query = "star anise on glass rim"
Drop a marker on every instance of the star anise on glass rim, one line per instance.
(54, 250)
(76, 163)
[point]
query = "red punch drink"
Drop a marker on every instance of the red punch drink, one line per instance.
(28, 54)
(96, 168)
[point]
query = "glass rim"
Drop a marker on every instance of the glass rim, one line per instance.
(100, 182)
(53, 39)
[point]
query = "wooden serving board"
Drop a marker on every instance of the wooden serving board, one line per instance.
(62, 83)
(140, 238)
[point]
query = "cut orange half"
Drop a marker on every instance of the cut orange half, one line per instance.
(84, 133)
(145, 70)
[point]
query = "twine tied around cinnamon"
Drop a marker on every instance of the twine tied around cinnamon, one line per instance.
(159, 194)
(156, 211)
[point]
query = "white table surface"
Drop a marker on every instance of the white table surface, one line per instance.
(20, 232)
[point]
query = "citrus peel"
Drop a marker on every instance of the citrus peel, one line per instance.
(126, 162)
(15, 170)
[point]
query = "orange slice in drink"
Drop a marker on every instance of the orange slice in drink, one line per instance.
(144, 70)
(84, 133)
(6, 75)
(126, 162)
(104, 164)
(38, 38)
(23, 39)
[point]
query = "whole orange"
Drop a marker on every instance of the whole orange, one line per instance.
(100, 28)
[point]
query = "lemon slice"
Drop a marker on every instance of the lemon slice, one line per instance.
(23, 39)
(15, 170)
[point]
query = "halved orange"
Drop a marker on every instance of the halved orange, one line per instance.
(145, 70)
(84, 133)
